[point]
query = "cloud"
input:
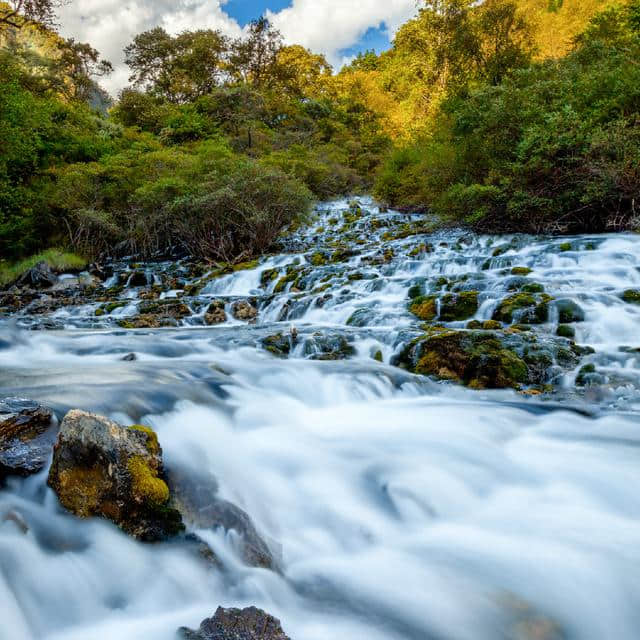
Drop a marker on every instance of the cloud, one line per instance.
(325, 26)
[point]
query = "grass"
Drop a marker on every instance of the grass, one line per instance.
(57, 259)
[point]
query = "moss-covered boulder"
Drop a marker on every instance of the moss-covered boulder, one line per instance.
(632, 296)
(424, 307)
(525, 308)
(458, 306)
(566, 331)
(569, 311)
(278, 344)
(147, 321)
(475, 358)
(521, 271)
(101, 468)
(244, 310)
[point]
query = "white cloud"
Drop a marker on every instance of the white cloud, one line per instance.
(325, 26)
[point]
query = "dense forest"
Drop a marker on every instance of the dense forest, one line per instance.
(504, 115)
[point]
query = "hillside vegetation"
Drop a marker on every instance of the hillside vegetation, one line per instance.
(502, 115)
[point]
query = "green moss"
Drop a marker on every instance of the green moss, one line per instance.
(521, 271)
(458, 306)
(424, 307)
(267, 276)
(565, 246)
(565, 331)
(415, 291)
(491, 325)
(532, 287)
(377, 356)
(57, 260)
(632, 296)
(99, 312)
(153, 446)
(531, 309)
(245, 266)
(145, 483)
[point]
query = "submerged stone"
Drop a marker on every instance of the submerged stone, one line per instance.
(632, 296)
(458, 306)
(569, 311)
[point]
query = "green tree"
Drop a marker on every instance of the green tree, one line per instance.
(180, 68)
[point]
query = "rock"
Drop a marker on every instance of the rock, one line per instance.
(215, 313)
(569, 311)
(244, 310)
(137, 279)
(278, 344)
(237, 624)
(26, 437)
(458, 306)
(166, 309)
(38, 277)
(526, 308)
(328, 347)
(424, 307)
(631, 296)
(565, 331)
(147, 321)
(194, 496)
(130, 357)
(101, 468)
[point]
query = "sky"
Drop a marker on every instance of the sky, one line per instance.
(337, 28)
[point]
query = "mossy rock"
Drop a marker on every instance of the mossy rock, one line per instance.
(318, 259)
(267, 276)
(588, 376)
(458, 306)
(521, 271)
(102, 469)
(569, 311)
(278, 344)
(424, 307)
(416, 290)
(477, 359)
(525, 306)
(631, 296)
(532, 287)
(565, 331)
(565, 246)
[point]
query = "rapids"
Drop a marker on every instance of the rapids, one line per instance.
(400, 507)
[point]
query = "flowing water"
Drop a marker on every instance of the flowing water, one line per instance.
(400, 507)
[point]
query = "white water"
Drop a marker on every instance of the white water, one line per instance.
(403, 509)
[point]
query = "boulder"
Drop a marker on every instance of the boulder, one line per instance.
(569, 311)
(101, 468)
(26, 437)
(244, 310)
(194, 496)
(38, 277)
(237, 624)
(215, 313)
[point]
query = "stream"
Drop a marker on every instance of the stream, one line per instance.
(400, 506)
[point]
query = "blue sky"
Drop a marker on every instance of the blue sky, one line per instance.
(339, 29)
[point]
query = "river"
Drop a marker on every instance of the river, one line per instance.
(401, 507)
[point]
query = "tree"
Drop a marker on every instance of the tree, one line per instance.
(254, 59)
(180, 68)
(302, 73)
(81, 63)
(18, 13)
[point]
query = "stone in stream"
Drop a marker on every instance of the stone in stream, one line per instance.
(26, 437)
(569, 311)
(193, 494)
(237, 624)
(39, 276)
(215, 313)
(244, 310)
(101, 468)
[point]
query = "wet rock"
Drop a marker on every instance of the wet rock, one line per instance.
(588, 376)
(38, 277)
(130, 357)
(526, 308)
(237, 624)
(278, 344)
(631, 296)
(137, 279)
(328, 347)
(244, 310)
(27, 433)
(569, 311)
(101, 468)
(194, 496)
(566, 331)
(147, 321)
(169, 308)
(458, 306)
(424, 307)
(215, 313)
(477, 359)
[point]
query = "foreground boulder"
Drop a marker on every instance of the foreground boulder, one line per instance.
(26, 437)
(237, 624)
(38, 277)
(101, 468)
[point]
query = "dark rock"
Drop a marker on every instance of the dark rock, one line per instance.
(130, 357)
(137, 279)
(569, 311)
(102, 469)
(328, 347)
(38, 277)
(278, 344)
(27, 433)
(194, 496)
(237, 624)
